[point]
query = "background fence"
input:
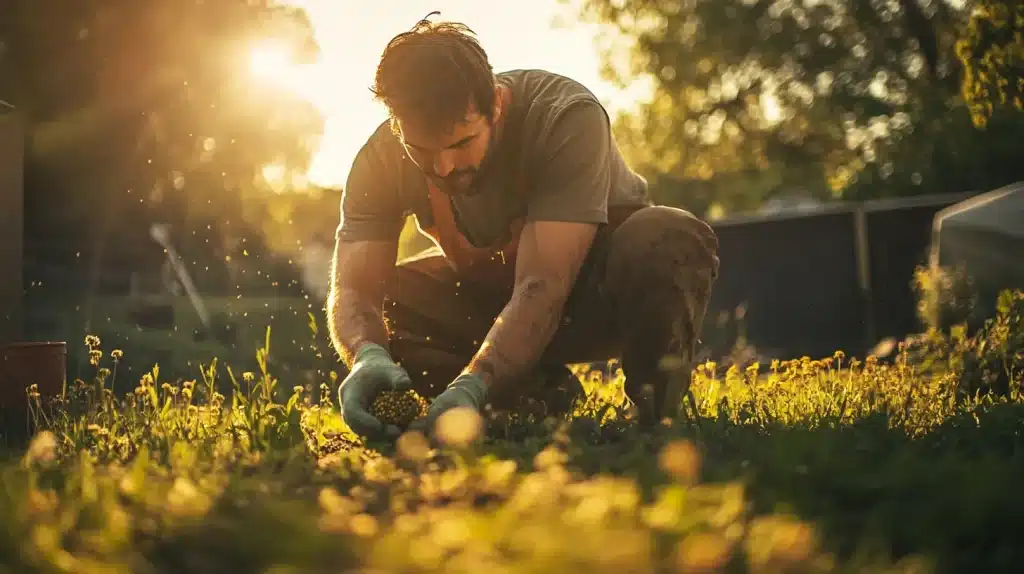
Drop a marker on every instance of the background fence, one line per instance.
(811, 283)
(898, 232)
(793, 278)
(11, 223)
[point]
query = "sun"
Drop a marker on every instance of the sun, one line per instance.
(351, 36)
(270, 61)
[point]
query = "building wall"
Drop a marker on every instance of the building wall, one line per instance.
(11, 224)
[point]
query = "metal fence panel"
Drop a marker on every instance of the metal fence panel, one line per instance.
(11, 223)
(796, 276)
(899, 233)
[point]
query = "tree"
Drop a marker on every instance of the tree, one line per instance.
(145, 112)
(759, 97)
(141, 109)
(992, 53)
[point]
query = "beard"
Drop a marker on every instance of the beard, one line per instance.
(465, 182)
(461, 183)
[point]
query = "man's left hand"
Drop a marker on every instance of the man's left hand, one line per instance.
(467, 390)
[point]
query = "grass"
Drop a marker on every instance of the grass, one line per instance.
(177, 349)
(831, 465)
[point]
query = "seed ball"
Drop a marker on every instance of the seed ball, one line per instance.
(398, 408)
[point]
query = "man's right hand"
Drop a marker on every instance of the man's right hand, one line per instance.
(373, 371)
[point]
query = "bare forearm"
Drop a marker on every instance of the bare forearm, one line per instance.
(520, 335)
(352, 320)
(354, 306)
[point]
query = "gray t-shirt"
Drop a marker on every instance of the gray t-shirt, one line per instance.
(557, 134)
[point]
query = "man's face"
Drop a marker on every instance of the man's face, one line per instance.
(453, 158)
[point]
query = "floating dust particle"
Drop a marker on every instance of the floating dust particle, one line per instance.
(460, 426)
(680, 460)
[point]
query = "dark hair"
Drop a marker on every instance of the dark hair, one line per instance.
(429, 75)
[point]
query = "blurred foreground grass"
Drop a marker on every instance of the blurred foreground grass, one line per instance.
(834, 465)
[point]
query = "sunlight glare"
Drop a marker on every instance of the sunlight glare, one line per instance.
(274, 174)
(770, 108)
(351, 36)
(269, 61)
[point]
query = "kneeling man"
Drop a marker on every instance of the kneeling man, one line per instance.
(548, 251)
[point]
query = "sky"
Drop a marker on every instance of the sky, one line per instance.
(351, 35)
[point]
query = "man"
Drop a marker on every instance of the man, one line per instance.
(549, 250)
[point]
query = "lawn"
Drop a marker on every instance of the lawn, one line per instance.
(298, 339)
(829, 465)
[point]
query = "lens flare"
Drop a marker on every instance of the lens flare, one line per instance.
(351, 35)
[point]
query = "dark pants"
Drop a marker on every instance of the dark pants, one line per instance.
(640, 297)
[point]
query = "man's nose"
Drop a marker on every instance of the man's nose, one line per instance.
(443, 164)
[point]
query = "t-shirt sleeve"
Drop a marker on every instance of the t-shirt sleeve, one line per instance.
(370, 206)
(572, 179)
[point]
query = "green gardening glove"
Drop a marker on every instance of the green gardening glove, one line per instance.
(467, 390)
(373, 371)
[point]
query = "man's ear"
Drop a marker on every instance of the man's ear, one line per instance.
(500, 101)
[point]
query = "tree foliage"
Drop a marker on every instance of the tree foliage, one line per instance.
(757, 97)
(992, 52)
(145, 111)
